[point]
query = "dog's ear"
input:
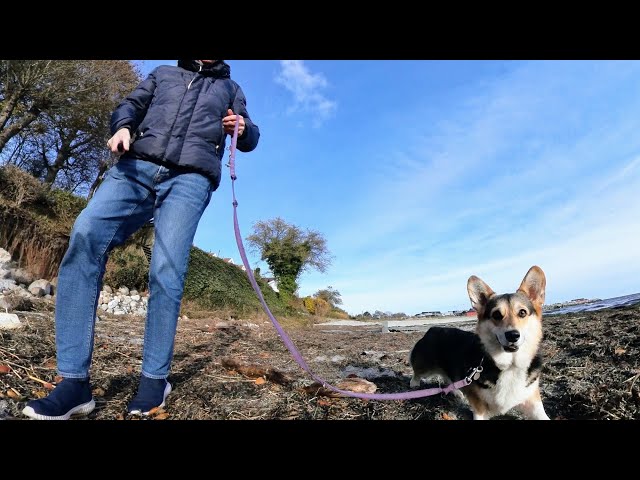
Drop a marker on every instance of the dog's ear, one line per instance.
(533, 286)
(479, 294)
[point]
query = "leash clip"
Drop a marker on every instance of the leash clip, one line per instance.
(474, 375)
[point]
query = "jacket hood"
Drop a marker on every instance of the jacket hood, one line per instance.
(218, 69)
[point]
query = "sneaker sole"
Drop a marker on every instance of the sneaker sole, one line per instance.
(167, 391)
(83, 409)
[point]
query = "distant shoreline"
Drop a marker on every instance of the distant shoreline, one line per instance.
(570, 303)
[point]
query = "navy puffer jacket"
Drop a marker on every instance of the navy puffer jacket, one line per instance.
(176, 115)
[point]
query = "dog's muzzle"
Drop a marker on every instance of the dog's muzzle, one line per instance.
(510, 340)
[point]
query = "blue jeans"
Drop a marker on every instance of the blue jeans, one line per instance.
(132, 192)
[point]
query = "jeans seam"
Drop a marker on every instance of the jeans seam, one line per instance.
(181, 279)
(72, 375)
(154, 377)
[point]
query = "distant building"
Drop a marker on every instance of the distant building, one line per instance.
(428, 314)
(272, 282)
(230, 260)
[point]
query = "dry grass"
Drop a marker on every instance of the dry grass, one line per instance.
(233, 368)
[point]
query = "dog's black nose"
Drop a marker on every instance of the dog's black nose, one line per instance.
(512, 336)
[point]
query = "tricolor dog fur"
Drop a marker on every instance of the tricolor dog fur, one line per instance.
(506, 344)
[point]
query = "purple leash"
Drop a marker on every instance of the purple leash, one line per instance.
(474, 375)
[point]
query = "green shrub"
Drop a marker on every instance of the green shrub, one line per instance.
(213, 283)
(127, 268)
(66, 206)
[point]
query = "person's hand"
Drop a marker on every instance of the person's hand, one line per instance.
(119, 143)
(229, 123)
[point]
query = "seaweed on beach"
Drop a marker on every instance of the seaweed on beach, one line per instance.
(240, 369)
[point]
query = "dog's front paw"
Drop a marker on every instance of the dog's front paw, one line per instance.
(415, 382)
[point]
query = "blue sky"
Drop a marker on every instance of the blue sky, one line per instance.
(422, 173)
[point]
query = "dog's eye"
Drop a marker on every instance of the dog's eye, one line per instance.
(522, 313)
(496, 315)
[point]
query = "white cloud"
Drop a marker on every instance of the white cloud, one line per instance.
(306, 89)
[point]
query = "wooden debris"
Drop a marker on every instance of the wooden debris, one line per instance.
(256, 371)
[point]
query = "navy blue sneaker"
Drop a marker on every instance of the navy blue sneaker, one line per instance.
(152, 393)
(71, 397)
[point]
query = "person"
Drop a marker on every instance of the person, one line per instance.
(170, 132)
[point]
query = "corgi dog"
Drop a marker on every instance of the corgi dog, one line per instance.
(505, 345)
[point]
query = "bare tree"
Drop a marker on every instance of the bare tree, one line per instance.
(66, 145)
(329, 295)
(28, 88)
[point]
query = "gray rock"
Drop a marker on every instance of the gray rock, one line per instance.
(5, 257)
(4, 273)
(119, 312)
(20, 275)
(374, 355)
(4, 410)
(5, 304)
(7, 284)
(370, 373)
(9, 321)
(133, 292)
(107, 289)
(135, 297)
(36, 291)
(22, 291)
(123, 290)
(43, 284)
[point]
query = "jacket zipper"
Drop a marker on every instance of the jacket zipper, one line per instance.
(164, 154)
(194, 77)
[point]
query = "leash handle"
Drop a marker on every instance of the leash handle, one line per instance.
(232, 153)
(287, 340)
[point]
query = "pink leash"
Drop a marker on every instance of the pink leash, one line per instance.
(473, 375)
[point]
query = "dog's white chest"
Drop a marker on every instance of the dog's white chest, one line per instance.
(510, 390)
